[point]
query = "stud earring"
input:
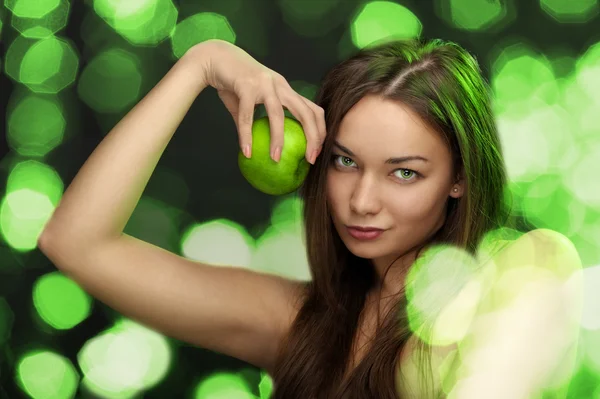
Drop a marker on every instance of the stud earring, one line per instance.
(455, 190)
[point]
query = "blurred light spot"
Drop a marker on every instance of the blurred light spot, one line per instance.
(23, 215)
(36, 126)
(433, 284)
(47, 375)
(518, 74)
(111, 81)
(199, 28)
(265, 386)
(381, 21)
(45, 66)
(124, 360)
(281, 250)
(569, 11)
(476, 15)
(223, 386)
(45, 26)
(590, 319)
(141, 22)
(31, 8)
(60, 302)
(36, 176)
(218, 242)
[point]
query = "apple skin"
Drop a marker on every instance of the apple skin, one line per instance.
(266, 175)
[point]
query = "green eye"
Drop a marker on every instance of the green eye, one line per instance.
(406, 174)
(346, 161)
(342, 161)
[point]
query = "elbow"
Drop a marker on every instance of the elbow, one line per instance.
(61, 253)
(47, 244)
(43, 241)
(47, 239)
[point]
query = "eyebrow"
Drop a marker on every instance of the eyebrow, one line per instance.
(393, 161)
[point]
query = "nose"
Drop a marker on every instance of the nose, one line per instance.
(364, 199)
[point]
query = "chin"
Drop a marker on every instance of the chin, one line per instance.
(367, 250)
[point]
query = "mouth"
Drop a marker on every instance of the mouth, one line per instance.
(364, 234)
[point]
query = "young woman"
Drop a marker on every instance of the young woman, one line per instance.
(406, 155)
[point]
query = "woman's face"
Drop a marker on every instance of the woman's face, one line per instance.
(407, 199)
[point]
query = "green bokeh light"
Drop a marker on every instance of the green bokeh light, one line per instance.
(45, 66)
(265, 386)
(544, 196)
(433, 283)
(475, 15)
(590, 319)
(60, 302)
(36, 126)
(581, 104)
(288, 211)
(23, 214)
(36, 176)
(32, 192)
(578, 11)
(45, 26)
(583, 179)
(124, 360)
(223, 386)
(542, 128)
(47, 375)
(199, 28)
(111, 81)
(31, 8)
(520, 73)
(587, 72)
(141, 22)
(383, 20)
(218, 242)
(281, 251)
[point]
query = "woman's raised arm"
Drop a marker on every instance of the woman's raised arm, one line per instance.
(230, 310)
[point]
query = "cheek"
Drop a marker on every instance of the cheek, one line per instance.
(417, 205)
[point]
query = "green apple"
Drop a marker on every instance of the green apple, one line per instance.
(266, 175)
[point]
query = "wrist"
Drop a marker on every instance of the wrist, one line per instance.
(198, 59)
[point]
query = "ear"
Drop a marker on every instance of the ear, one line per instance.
(458, 188)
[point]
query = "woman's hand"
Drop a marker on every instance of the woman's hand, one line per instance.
(242, 82)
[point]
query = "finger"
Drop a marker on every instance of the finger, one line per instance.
(320, 118)
(231, 104)
(306, 116)
(276, 117)
(245, 119)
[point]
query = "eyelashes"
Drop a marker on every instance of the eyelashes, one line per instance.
(414, 175)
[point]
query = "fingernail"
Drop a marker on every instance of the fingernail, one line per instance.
(246, 151)
(313, 156)
(276, 154)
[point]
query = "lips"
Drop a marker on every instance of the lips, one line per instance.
(364, 228)
(362, 233)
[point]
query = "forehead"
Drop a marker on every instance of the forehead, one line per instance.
(389, 127)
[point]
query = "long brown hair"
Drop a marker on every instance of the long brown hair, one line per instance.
(443, 83)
